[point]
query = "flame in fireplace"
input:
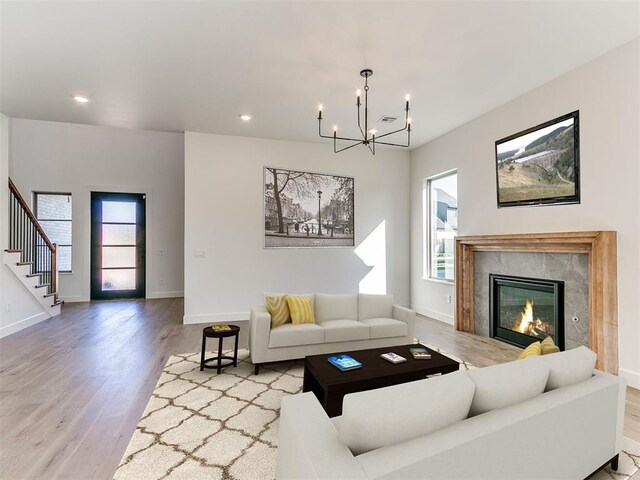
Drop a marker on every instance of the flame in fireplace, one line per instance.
(530, 326)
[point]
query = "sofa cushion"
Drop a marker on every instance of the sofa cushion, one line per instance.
(385, 327)
(301, 310)
(390, 415)
(507, 384)
(548, 346)
(336, 307)
(569, 367)
(344, 330)
(374, 306)
(289, 335)
(278, 309)
(312, 296)
(533, 350)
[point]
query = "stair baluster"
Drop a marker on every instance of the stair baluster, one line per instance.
(27, 235)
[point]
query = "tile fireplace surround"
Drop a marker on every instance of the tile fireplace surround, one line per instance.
(600, 247)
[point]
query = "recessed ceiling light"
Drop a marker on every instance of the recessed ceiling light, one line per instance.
(80, 99)
(245, 117)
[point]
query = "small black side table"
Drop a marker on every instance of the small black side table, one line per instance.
(209, 332)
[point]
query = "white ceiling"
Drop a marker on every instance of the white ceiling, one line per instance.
(176, 66)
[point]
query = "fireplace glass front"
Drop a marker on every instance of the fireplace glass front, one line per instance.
(524, 310)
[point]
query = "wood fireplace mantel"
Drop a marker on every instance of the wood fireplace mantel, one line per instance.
(601, 246)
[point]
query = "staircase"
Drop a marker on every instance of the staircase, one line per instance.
(31, 256)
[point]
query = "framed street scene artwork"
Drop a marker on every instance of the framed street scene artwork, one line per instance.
(541, 165)
(306, 210)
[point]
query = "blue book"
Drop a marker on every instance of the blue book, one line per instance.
(344, 362)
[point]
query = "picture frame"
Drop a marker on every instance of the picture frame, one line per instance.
(540, 165)
(307, 209)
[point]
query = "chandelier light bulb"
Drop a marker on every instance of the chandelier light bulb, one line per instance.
(373, 131)
(409, 120)
(407, 97)
(335, 128)
(358, 92)
(320, 107)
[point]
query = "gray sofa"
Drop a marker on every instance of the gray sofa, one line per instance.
(549, 417)
(343, 322)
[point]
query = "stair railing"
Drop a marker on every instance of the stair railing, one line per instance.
(27, 236)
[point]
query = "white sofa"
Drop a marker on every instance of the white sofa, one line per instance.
(549, 417)
(343, 322)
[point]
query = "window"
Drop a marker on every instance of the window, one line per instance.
(441, 208)
(53, 211)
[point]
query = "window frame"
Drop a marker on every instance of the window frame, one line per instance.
(35, 212)
(428, 231)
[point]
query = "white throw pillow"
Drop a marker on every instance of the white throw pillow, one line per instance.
(336, 307)
(507, 384)
(569, 367)
(390, 415)
(374, 306)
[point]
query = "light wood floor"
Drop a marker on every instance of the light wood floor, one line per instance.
(72, 388)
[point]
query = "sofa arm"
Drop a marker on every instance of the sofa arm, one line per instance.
(259, 329)
(407, 316)
(308, 443)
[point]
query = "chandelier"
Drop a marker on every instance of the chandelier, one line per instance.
(369, 136)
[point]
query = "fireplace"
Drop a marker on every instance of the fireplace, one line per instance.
(524, 310)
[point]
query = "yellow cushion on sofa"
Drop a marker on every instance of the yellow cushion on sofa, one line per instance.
(547, 346)
(532, 350)
(300, 309)
(278, 308)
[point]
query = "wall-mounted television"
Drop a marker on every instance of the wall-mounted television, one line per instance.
(540, 165)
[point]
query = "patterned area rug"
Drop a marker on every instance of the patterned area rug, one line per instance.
(200, 425)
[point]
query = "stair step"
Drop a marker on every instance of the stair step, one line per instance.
(47, 295)
(42, 285)
(11, 250)
(31, 275)
(57, 302)
(24, 263)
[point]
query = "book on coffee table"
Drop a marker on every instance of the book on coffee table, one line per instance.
(393, 357)
(420, 353)
(344, 362)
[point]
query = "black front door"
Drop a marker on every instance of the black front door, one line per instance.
(117, 245)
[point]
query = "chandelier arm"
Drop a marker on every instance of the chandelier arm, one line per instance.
(336, 150)
(363, 135)
(334, 136)
(366, 109)
(398, 144)
(391, 133)
(373, 142)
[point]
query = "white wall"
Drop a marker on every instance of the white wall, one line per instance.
(224, 188)
(607, 93)
(63, 157)
(18, 308)
(4, 207)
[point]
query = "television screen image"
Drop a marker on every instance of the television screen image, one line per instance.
(540, 165)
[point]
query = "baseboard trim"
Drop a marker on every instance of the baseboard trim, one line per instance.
(73, 298)
(428, 312)
(22, 324)
(632, 378)
(177, 294)
(215, 317)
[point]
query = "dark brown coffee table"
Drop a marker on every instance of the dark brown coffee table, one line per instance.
(330, 385)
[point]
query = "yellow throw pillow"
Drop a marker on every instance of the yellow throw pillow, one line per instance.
(547, 346)
(532, 350)
(301, 310)
(279, 309)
